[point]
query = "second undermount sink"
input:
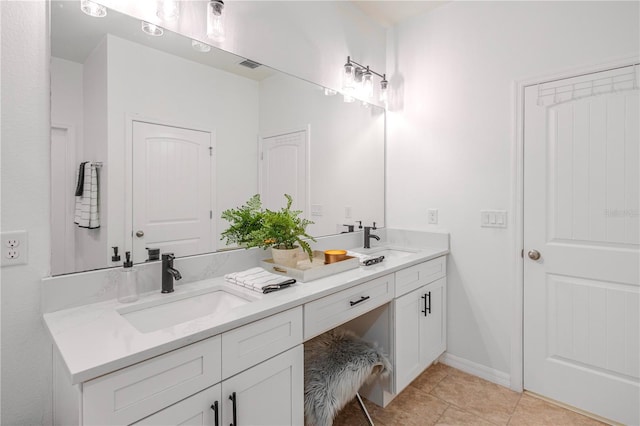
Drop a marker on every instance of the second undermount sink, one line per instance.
(159, 314)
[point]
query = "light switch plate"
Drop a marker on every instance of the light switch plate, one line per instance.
(316, 209)
(493, 218)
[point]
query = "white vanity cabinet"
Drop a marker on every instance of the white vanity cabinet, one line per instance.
(260, 364)
(270, 393)
(420, 319)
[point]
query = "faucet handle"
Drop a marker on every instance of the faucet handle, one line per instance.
(168, 256)
(359, 224)
(374, 226)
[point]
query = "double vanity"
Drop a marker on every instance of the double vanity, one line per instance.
(215, 352)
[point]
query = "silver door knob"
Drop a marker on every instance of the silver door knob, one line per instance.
(139, 234)
(534, 254)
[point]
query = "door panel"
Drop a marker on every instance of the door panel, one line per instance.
(172, 190)
(581, 212)
(408, 363)
(284, 170)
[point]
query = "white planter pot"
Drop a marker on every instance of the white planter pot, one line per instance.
(286, 257)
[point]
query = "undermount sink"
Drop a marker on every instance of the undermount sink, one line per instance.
(159, 314)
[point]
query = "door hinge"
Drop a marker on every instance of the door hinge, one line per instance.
(210, 151)
(522, 254)
(210, 214)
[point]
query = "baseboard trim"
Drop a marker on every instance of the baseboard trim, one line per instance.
(482, 371)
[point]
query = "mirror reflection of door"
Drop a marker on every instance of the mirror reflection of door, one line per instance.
(284, 170)
(172, 190)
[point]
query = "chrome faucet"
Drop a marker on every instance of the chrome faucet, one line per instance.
(169, 273)
(368, 235)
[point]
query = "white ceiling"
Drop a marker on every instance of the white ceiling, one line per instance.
(390, 12)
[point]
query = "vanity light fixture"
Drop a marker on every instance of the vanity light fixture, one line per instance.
(152, 29)
(168, 10)
(360, 77)
(215, 20)
(93, 9)
(199, 46)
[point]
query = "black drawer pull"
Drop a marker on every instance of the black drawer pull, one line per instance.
(232, 397)
(428, 308)
(362, 299)
(216, 416)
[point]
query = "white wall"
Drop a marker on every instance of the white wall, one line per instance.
(451, 135)
(309, 39)
(26, 353)
(346, 149)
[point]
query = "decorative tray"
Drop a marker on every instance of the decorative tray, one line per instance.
(309, 270)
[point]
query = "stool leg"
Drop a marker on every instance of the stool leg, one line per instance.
(364, 409)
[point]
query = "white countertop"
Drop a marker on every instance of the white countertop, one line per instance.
(96, 339)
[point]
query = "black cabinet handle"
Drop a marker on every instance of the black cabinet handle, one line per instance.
(362, 299)
(424, 299)
(428, 308)
(232, 397)
(216, 417)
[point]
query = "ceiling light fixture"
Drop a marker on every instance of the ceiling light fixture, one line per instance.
(168, 10)
(215, 20)
(357, 77)
(93, 9)
(152, 29)
(200, 46)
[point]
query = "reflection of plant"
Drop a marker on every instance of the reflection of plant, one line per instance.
(253, 226)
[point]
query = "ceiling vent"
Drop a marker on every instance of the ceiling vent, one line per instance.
(249, 64)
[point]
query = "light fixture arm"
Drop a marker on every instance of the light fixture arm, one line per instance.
(365, 67)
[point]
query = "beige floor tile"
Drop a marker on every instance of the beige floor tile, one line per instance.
(457, 417)
(534, 411)
(352, 415)
(411, 408)
(431, 377)
(474, 395)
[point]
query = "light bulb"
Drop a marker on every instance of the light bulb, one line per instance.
(367, 84)
(384, 85)
(169, 10)
(152, 29)
(348, 77)
(93, 9)
(215, 20)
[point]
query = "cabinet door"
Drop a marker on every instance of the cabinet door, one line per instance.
(271, 393)
(408, 363)
(197, 410)
(433, 337)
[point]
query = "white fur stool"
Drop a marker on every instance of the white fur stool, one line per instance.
(336, 365)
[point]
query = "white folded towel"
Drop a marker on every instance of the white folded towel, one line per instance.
(362, 257)
(256, 279)
(86, 213)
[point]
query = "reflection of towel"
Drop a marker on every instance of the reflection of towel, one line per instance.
(87, 214)
(256, 279)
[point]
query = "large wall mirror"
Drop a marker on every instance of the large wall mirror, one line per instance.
(164, 137)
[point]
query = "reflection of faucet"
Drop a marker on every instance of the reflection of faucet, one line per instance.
(368, 235)
(169, 273)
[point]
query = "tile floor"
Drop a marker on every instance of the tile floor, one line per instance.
(443, 395)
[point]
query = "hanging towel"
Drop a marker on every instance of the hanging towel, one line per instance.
(86, 213)
(259, 279)
(80, 185)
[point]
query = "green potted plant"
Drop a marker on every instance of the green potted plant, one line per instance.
(282, 230)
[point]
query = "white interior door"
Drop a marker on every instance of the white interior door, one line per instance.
(284, 169)
(63, 184)
(581, 213)
(172, 190)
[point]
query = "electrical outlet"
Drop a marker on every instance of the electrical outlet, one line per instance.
(432, 216)
(14, 248)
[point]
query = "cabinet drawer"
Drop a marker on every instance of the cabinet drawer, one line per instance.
(418, 275)
(128, 395)
(326, 313)
(253, 343)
